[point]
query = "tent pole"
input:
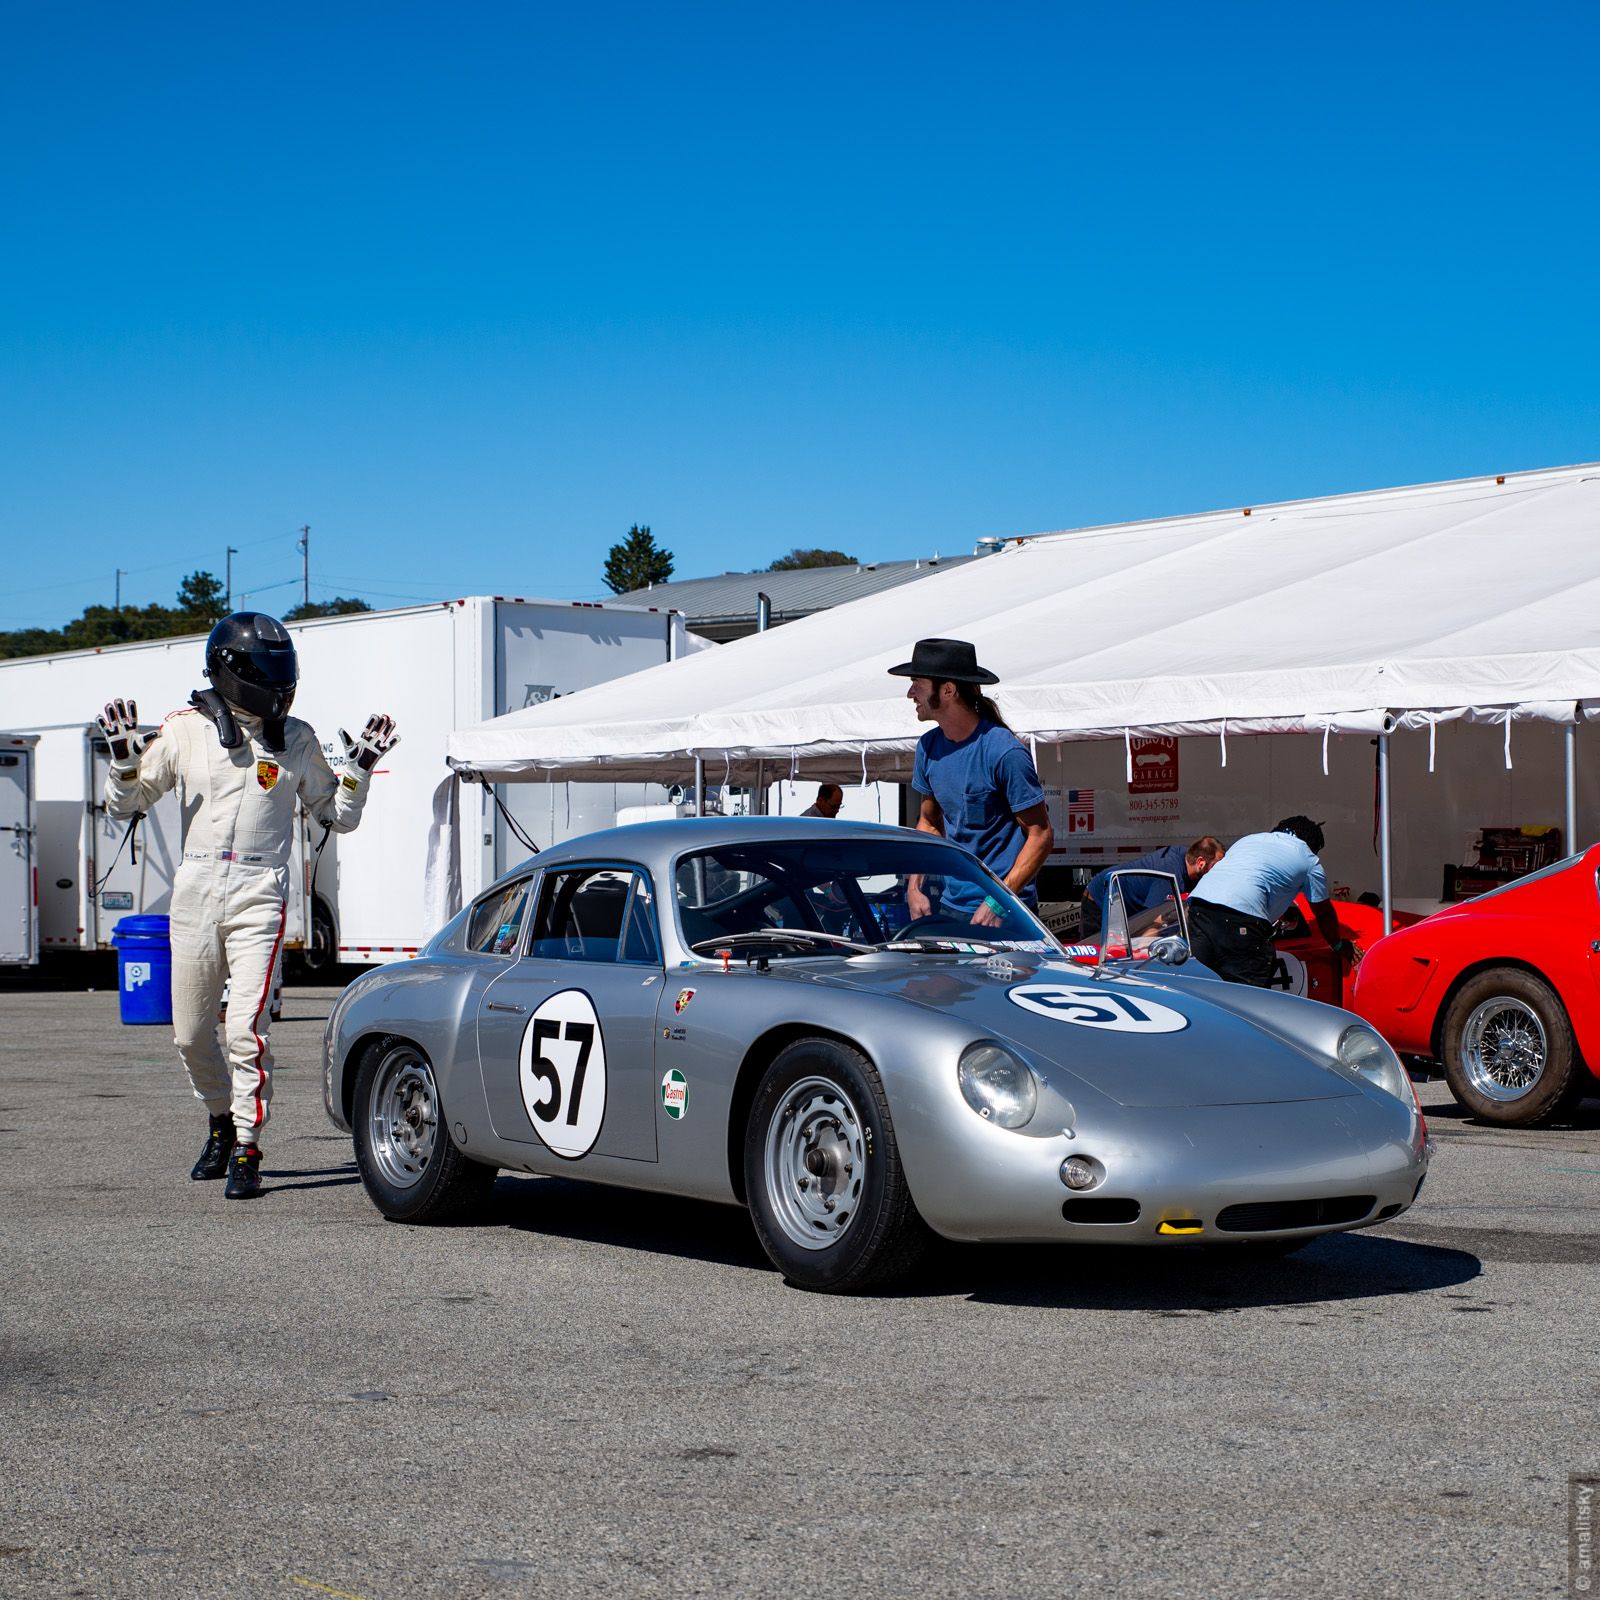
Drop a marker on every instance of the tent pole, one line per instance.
(699, 786)
(1571, 734)
(1384, 855)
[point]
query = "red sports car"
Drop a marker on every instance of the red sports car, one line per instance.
(1503, 990)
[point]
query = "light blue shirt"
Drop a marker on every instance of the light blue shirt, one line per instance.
(1261, 875)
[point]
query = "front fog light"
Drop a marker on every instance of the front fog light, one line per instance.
(998, 1086)
(1081, 1172)
(1363, 1054)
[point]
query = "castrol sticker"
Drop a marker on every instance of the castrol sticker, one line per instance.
(675, 1095)
(1105, 1009)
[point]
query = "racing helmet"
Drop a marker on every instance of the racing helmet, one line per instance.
(250, 659)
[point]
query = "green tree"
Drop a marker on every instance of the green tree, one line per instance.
(202, 599)
(637, 562)
(325, 608)
(796, 560)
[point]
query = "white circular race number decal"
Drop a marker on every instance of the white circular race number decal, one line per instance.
(562, 1072)
(1099, 1008)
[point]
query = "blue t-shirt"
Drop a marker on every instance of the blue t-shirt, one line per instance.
(981, 783)
(1150, 892)
(1262, 874)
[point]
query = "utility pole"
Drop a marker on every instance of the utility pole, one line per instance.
(305, 562)
(232, 552)
(121, 574)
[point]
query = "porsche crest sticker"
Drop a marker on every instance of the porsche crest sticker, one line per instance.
(267, 773)
(684, 997)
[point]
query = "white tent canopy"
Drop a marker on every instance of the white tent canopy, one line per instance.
(1476, 598)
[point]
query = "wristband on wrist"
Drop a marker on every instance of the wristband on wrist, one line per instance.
(994, 905)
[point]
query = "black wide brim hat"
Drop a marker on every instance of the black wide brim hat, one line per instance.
(942, 659)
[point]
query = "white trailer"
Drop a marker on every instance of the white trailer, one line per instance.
(19, 877)
(433, 668)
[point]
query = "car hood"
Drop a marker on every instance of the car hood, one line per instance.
(1135, 1039)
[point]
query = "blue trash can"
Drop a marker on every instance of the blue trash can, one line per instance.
(144, 969)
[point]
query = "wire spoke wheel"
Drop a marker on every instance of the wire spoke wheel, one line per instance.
(1504, 1049)
(403, 1117)
(815, 1163)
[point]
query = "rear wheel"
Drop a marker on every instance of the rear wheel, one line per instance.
(1509, 1053)
(822, 1170)
(408, 1164)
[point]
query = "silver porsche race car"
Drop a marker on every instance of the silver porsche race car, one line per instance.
(858, 1033)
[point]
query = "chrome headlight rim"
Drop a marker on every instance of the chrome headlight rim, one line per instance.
(997, 1084)
(1363, 1053)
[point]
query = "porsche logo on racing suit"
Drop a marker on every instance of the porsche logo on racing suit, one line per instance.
(266, 773)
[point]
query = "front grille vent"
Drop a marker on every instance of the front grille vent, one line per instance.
(1269, 1216)
(1095, 1208)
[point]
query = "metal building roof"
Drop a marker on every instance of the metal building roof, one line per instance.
(725, 606)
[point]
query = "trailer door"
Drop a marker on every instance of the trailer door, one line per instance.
(133, 876)
(19, 918)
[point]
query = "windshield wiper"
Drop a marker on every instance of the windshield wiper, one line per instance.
(733, 941)
(946, 944)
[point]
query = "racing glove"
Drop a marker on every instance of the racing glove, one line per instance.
(119, 722)
(377, 739)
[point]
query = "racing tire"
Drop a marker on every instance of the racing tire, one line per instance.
(822, 1171)
(1509, 1054)
(410, 1167)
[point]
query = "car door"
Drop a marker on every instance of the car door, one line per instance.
(566, 1035)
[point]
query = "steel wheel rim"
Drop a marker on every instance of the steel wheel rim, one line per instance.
(814, 1163)
(403, 1117)
(1504, 1049)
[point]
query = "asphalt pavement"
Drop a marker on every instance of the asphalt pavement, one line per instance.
(591, 1392)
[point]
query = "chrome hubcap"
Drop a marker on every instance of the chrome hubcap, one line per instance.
(403, 1118)
(1503, 1049)
(815, 1161)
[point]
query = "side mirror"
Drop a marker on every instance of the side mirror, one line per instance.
(1171, 949)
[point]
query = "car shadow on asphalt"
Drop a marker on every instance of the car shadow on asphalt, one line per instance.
(1196, 1280)
(1185, 1280)
(662, 1224)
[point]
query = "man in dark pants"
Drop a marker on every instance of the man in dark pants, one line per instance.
(1187, 863)
(1231, 912)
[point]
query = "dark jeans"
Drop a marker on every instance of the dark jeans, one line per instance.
(1234, 946)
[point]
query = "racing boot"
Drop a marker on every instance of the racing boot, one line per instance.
(213, 1162)
(244, 1173)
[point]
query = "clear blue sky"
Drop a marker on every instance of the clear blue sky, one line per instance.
(469, 289)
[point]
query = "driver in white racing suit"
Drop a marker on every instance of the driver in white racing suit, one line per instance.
(239, 763)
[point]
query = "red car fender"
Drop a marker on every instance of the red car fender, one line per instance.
(1548, 925)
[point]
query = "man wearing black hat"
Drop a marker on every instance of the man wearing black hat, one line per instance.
(978, 784)
(1232, 909)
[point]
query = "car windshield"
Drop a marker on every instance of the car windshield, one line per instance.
(809, 897)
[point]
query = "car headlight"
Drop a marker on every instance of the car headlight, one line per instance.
(1364, 1055)
(998, 1086)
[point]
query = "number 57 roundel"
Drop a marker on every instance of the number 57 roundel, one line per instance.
(562, 1073)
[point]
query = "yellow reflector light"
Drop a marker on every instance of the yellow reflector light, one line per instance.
(1182, 1225)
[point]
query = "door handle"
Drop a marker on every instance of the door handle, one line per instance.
(494, 1005)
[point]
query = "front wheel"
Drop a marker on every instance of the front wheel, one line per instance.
(822, 1171)
(408, 1165)
(1509, 1053)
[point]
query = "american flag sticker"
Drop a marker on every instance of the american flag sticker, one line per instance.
(1080, 810)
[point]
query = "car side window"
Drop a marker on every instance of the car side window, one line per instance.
(588, 914)
(496, 920)
(639, 933)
